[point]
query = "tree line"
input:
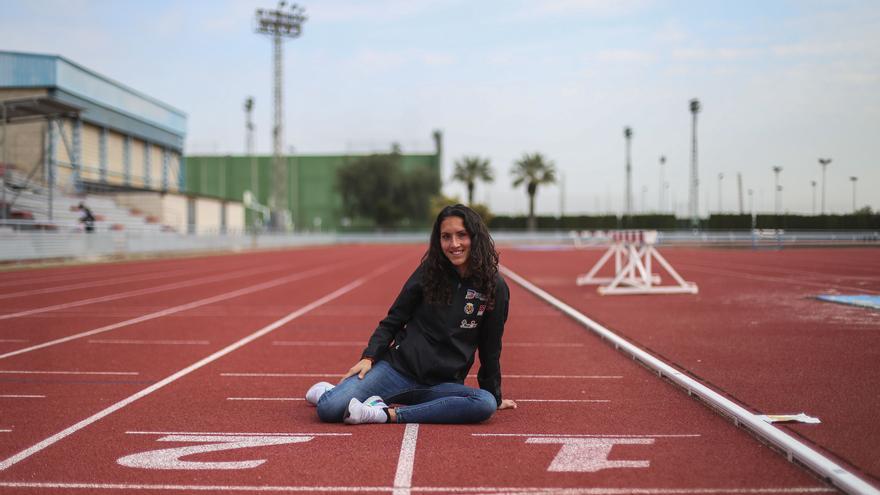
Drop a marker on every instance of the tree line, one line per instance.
(376, 187)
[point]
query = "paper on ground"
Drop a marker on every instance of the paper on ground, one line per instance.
(788, 418)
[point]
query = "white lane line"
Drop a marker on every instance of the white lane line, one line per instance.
(563, 377)
(140, 292)
(40, 372)
(22, 396)
(765, 278)
(509, 490)
(324, 375)
(541, 344)
(233, 434)
(16, 341)
(172, 310)
(24, 454)
(403, 476)
(98, 283)
(265, 398)
(562, 400)
(327, 343)
(5, 431)
(149, 342)
(813, 460)
(554, 435)
(284, 375)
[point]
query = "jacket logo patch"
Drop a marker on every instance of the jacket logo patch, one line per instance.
(472, 294)
(468, 324)
(481, 310)
(469, 308)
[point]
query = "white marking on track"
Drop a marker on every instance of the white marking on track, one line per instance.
(149, 342)
(403, 476)
(425, 489)
(98, 283)
(589, 455)
(236, 434)
(327, 343)
(24, 454)
(284, 375)
(661, 435)
(541, 344)
(265, 398)
(562, 400)
(171, 458)
(38, 372)
(139, 292)
(324, 375)
(172, 310)
(12, 396)
(5, 431)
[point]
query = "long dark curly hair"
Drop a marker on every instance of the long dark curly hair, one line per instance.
(482, 262)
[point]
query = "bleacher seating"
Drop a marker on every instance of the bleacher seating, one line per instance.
(31, 208)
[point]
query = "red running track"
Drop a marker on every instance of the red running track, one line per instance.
(199, 387)
(755, 332)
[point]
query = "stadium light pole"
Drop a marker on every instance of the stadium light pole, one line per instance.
(720, 203)
(660, 190)
(694, 185)
(777, 188)
(813, 184)
(279, 24)
(824, 162)
(249, 143)
(854, 179)
(627, 195)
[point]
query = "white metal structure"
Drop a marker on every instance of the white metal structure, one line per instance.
(634, 253)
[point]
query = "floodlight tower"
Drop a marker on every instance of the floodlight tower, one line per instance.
(279, 24)
(249, 142)
(813, 183)
(720, 203)
(854, 179)
(824, 162)
(694, 189)
(627, 195)
(662, 181)
(777, 188)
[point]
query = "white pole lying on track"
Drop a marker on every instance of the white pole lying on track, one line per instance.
(794, 449)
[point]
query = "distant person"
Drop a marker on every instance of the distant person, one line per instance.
(414, 366)
(86, 218)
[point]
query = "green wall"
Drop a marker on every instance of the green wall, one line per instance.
(311, 189)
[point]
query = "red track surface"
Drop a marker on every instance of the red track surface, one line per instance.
(755, 332)
(101, 432)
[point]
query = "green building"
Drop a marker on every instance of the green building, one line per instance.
(312, 196)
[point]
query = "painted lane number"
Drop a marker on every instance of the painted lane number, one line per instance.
(588, 455)
(172, 458)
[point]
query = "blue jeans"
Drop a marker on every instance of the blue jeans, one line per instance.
(443, 403)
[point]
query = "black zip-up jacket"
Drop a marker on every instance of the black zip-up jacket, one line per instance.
(437, 343)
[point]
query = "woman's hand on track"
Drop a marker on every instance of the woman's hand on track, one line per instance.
(360, 369)
(507, 404)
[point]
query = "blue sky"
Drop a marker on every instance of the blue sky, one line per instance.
(781, 84)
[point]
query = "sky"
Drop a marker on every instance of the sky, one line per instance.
(781, 84)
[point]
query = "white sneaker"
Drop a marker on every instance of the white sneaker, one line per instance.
(316, 391)
(371, 410)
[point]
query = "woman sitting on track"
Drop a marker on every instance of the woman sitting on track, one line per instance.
(454, 304)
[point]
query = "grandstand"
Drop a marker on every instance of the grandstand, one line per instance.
(70, 134)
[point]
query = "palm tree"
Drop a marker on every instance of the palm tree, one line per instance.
(532, 170)
(469, 170)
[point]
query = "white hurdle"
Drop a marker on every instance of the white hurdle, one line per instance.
(634, 252)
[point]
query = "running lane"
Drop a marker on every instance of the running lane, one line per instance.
(588, 417)
(755, 332)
